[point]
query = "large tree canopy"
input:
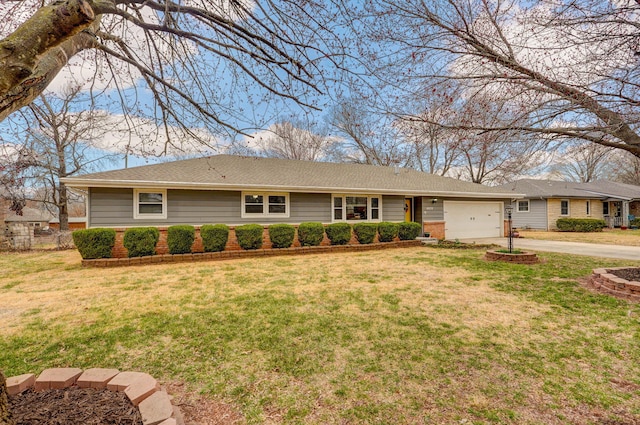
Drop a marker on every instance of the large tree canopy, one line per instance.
(190, 57)
(569, 69)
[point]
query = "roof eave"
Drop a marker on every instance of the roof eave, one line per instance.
(84, 184)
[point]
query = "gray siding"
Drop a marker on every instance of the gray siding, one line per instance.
(536, 218)
(114, 208)
(110, 207)
(432, 211)
(393, 208)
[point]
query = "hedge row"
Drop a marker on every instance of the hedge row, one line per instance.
(580, 224)
(142, 241)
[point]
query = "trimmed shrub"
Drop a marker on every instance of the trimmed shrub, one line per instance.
(387, 231)
(249, 236)
(580, 224)
(281, 235)
(141, 241)
(635, 222)
(365, 232)
(408, 231)
(310, 233)
(338, 233)
(94, 243)
(180, 238)
(214, 237)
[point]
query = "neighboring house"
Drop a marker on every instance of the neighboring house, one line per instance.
(74, 223)
(621, 202)
(35, 218)
(236, 190)
(546, 201)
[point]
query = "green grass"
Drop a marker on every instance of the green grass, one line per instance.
(407, 336)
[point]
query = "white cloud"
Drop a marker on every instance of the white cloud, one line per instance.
(143, 137)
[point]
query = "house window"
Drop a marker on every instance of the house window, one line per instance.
(356, 208)
(564, 207)
(149, 204)
(588, 207)
(523, 206)
(605, 208)
(259, 204)
(337, 208)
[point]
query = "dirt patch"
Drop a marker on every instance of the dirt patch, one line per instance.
(73, 406)
(200, 410)
(630, 274)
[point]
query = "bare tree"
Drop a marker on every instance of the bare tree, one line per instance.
(584, 162)
(494, 157)
(568, 69)
(368, 138)
(192, 57)
(626, 168)
(433, 147)
(59, 141)
(288, 140)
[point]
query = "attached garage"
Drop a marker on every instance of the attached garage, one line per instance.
(473, 219)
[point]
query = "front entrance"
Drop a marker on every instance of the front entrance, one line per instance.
(408, 209)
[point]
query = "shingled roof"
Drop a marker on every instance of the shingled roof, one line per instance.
(546, 189)
(613, 189)
(561, 189)
(231, 172)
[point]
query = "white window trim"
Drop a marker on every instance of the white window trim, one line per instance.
(136, 210)
(568, 207)
(344, 208)
(518, 206)
(265, 205)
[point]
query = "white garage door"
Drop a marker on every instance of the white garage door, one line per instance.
(468, 219)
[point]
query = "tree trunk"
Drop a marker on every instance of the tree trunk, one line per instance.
(34, 53)
(63, 208)
(5, 417)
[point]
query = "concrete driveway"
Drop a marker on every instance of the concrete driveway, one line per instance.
(577, 248)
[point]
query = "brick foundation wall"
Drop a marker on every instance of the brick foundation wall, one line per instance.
(435, 228)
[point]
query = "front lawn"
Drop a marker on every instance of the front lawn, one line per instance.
(403, 336)
(607, 236)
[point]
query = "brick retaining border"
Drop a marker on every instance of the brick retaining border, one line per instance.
(521, 258)
(227, 255)
(611, 284)
(142, 389)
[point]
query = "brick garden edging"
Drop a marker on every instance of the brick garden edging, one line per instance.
(226, 255)
(140, 388)
(611, 284)
(521, 258)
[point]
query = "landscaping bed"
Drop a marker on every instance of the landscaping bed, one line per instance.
(73, 406)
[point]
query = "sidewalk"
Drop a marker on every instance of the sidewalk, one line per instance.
(577, 248)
